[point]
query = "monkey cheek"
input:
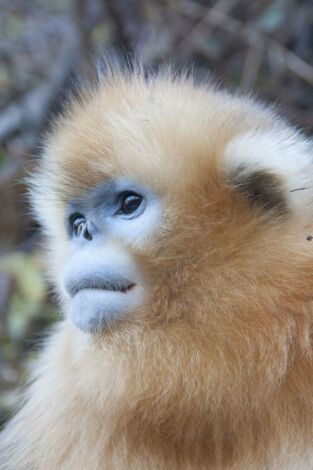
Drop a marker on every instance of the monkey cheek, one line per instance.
(92, 310)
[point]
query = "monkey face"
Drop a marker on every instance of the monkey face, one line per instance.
(102, 279)
(162, 199)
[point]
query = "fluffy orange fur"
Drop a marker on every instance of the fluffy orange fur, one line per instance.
(216, 371)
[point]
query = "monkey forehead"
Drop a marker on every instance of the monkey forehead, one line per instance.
(155, 132)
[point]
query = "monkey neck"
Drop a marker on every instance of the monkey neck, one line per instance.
(164, 397)
(175, 391)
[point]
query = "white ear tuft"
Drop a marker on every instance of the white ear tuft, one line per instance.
(282, 152)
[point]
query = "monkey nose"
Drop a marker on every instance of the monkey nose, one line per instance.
(89, 232)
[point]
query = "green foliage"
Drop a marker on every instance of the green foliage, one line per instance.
(26, 313)
(2, 157)
(29, 294)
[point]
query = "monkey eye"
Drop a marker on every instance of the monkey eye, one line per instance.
(129, 203)
(78, 225)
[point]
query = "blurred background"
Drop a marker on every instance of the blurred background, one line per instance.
(48, 47)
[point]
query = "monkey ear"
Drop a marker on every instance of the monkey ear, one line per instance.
(262, 188)
(274, 169)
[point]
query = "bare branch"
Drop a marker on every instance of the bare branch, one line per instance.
(83, 30)
(127, 16)
(28, 114)
(253, 37)
(251, 67)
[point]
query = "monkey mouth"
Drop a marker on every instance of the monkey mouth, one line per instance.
(93, 307)
(122, 286)
(99, 298)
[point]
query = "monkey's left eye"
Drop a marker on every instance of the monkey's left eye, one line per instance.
(129, 204)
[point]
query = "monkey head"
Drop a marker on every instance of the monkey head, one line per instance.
(164, 200)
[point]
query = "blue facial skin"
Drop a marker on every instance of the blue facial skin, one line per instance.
(102, 202)
(101, 278)
(91, 312)
(102, 287)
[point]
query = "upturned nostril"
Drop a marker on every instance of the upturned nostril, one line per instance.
(90, 231)
(86, 233)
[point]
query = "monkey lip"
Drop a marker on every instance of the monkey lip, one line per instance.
(101, 296)
(91, 309)
(121, 286)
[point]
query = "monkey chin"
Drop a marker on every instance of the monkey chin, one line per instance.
(92, 310)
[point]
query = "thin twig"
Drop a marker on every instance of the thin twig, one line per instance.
(252, 36)
(224, 6)
(127, 16)
(29, 112)
(251, 67)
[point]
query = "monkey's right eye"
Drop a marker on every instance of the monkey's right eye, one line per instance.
(78, 225)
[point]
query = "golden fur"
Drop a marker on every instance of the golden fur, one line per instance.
(217, 371)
